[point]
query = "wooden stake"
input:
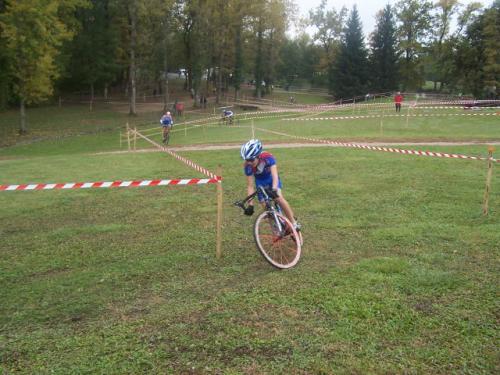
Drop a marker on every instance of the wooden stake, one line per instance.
(128, 136)
(218, 249)
(120, 139)
(253, 131)
(382, 123)
(407, 116)
(135, 138)
(488, 180)
(185, 129)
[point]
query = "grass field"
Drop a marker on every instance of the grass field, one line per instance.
(399, 272)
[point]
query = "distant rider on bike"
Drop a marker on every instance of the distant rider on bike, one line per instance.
(261, 170)
(227, 115)
(166, 122)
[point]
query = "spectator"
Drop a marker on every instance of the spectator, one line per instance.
(398, 99)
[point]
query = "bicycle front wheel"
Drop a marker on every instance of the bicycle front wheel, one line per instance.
(281, 248)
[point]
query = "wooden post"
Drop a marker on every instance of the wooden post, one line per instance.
(218, 250)
(382, 123)
(120, 139)
(353, 105)
(185, 129)
(128, 136)
(407, 115)
(488, 180)
(135, 138)
(60, 102)
(253, 131)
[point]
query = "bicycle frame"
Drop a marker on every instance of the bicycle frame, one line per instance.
(268, 201)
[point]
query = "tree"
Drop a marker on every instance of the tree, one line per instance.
(383, 58)
(491, 33)
(34, 31)
(441, 45)
(4, 66)
(330, 26)
(269, 20)
(94, 49)
(414, 27)
(349, 74)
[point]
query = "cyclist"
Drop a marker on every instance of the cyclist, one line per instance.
(166, 122)
(262, 167)
(227, 115)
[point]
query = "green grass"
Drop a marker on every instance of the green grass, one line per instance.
(399, 272)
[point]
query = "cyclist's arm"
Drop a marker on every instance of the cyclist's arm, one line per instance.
(250, 188)
(274, 174)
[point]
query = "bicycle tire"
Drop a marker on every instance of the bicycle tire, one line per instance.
(280, 249)
(167, 139)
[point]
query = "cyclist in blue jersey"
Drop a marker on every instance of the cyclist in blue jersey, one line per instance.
(227, 115)
(166, 122)
(261, 170)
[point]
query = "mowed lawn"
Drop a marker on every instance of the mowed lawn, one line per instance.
(399, 272)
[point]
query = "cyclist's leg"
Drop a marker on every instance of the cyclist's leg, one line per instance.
(287, 210)
(164, 134)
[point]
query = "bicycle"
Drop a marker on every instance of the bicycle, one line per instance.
(166, 135)
(275, 236)
(226, 120)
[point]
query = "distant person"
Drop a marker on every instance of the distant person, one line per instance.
(398, 99)
(227, 116)
(166, 122)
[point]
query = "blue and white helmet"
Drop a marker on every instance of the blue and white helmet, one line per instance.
(251, 149)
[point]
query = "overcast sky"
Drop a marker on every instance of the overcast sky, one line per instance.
(366, 8)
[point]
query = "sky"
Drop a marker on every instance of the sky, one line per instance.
(367, 8)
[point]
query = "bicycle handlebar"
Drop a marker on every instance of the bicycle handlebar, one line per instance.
(241, 204)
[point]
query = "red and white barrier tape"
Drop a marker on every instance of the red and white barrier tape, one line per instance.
(109, 184)
(385, 149)
(188, 162)
(389, 115)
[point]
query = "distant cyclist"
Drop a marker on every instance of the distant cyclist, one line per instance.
(261, 170)
(228, 116)
(166, 122)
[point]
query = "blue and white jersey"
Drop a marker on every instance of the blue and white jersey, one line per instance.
(228, 113)
(166, 120)
(262, 171)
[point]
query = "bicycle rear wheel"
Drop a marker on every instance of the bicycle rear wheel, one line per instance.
(281, 249)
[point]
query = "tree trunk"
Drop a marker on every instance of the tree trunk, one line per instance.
(165, 82)
(23, 129)
(132, 68)
(258, 62)
(219, 83)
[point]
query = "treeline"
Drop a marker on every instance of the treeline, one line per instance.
(54, 46)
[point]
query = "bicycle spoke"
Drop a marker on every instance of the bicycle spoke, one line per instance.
(280, 248)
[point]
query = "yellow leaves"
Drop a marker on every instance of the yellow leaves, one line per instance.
(33, 31)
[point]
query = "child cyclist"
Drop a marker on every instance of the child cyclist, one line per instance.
(166, 122)
(261, 170)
